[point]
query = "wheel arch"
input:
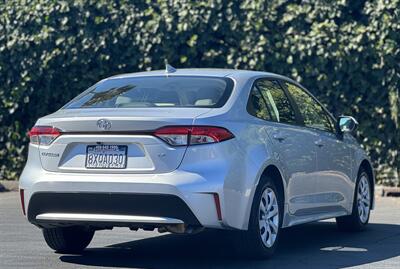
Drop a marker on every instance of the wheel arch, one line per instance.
(367, 167)
(273, 172)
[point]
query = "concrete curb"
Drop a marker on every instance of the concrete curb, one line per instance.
(8, 185)
(390, 191)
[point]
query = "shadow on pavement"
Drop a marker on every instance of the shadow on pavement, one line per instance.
(316, 245)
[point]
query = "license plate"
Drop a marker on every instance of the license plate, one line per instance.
(106, 156)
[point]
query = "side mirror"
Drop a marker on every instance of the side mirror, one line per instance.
(347, 124)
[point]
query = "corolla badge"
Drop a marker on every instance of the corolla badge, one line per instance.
(104, 124)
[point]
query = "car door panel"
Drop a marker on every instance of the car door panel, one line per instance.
(297, 155)
(333, 163)
(334, 166)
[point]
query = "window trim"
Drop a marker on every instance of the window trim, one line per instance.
(327, 113)
(298, 118)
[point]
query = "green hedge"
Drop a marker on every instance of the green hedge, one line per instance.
(345, 52)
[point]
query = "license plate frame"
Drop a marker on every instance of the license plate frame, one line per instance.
(106, 156)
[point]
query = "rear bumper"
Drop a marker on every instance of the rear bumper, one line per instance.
(179, 195)
(108, 209)
(205, 171)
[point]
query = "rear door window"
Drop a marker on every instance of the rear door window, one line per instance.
(268, 101)
(256, 105)
(160, 91)
(277, 101)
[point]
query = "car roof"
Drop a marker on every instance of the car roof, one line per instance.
(212, 72)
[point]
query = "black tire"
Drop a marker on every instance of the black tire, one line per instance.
(249, 243)
(68, 239)
(353, 223)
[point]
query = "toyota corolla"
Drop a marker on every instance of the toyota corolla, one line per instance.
(184, 150)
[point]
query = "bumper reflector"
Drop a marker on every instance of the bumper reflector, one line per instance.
(21, 194)
(217, 205)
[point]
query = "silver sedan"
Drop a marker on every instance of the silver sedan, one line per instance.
(184, 150)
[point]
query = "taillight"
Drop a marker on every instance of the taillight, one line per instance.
(174, 135)
(43, 135)
(192, 135)
(205, 134)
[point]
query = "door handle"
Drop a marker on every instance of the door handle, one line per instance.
(319, 143)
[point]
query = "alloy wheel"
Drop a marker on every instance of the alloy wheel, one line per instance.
(363, 199)
(268, 217)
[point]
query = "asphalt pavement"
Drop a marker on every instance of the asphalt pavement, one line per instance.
(315, 245)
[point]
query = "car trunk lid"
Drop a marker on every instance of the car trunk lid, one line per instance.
(114, 132)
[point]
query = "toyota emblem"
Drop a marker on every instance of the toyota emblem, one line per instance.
(104, 124)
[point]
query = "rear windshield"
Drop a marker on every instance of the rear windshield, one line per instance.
(162, 91)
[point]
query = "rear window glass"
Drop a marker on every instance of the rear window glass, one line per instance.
(159, 91)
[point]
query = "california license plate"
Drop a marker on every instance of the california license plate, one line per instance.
(106, 156)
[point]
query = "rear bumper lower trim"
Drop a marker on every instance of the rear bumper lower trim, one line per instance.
(121, 209)
(107, 218)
